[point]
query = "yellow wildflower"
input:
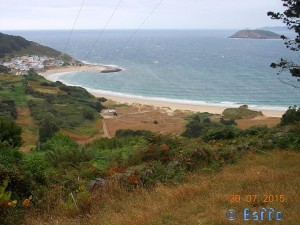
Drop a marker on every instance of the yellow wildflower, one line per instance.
(12, 203)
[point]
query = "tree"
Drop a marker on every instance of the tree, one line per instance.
(291, 18)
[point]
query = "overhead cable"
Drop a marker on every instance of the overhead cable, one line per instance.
(68, 41)
(141, 25)
(105, 26)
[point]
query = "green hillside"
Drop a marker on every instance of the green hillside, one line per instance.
(10, 44)
(240, 113)
(15, 45)
(38, 104)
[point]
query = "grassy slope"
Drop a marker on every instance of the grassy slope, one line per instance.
(36, 49)
(240, 113)
(13, 89)
(202, 199)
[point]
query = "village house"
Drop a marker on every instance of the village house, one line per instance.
(21, 65)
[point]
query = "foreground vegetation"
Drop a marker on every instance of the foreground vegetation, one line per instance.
(160, 177)
(202, 198)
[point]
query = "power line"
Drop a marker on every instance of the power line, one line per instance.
(104, 28)
(141, 25)
(67, 43)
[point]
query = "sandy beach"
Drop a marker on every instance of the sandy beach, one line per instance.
(84, 68)
(178, 106)
(156, 103)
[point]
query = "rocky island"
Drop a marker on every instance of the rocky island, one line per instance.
(256, 34)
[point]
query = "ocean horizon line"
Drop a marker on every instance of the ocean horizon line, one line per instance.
(130, 29)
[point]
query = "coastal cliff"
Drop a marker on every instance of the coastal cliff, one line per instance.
(256, 34)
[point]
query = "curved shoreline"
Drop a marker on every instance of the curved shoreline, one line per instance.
(84, 68)
(148, 101)
(179, 106)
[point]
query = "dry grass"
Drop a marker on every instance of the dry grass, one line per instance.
(143, 117)
(93, 132)
(29, 128)
(138, 117)
(202, 199)
(258, 121)
(36, 86)
(48, 90)
(7, 78)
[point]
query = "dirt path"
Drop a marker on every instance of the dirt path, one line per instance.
(29, 129)
(106, 134)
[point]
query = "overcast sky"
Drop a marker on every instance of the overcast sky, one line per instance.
(172, 14)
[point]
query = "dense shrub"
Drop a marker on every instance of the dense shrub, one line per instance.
(221, 133)
(59, 141)
(255, 130)
(193, 130)
(9, 155)
(98, 106)
(76, 92)
(72, 157)
(61, 149)
(128, 132)
(32, 75)
(35, 165)
(10, 132)
(161, 173)
(291, 116)
(47, 129)
(199, 124)
(227, 122)
(47, 84)
(289, 141)
(158, 148)
(195, 157)
(102, 99)
(11, 169)
(8, 109)
(88, 114)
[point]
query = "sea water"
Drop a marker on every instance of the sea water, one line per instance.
(187, 66)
